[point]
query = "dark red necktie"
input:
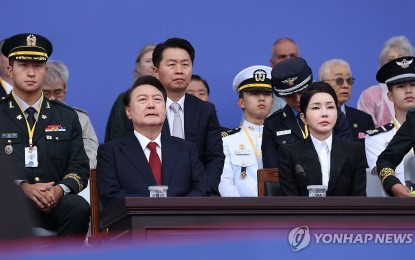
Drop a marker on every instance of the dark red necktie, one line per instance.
(154, 161)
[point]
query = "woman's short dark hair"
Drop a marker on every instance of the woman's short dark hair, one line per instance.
(145, 80)
(314, 88)
(172, 43)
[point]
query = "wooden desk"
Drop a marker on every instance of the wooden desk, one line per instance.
(149, 219)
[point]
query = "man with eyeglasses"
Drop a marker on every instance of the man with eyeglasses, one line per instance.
(337, 73)
(54, 87)
(290, 78)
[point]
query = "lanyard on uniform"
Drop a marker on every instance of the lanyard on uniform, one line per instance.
(305, 132)
(257, 153)
(31, 131)
(395, 124)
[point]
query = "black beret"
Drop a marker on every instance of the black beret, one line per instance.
(27, 46)
(291, 76)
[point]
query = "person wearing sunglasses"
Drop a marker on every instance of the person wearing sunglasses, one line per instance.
(337, 73)
(290, 78)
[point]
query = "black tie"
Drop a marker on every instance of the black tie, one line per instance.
(31, 117)
(300, 122)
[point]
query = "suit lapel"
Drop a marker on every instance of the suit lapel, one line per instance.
(44, 117)
(166, 128)
(170, 153)
(191, 117)
(131, 148)
(337, 160)
(312, 165)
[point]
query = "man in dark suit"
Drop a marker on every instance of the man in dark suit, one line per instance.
(188, 117)
(125, 166)
(337, 73)
(290, 78)
(6, 82)
(42, 141)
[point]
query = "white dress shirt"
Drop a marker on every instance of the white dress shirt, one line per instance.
(144, 142)
(325, 163)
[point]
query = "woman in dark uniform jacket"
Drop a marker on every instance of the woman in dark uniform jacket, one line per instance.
(343, 170)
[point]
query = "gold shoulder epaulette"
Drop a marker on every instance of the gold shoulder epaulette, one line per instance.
(230, 132)
(382, 129)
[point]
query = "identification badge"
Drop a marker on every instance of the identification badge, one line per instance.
(243, 152)
(285, 132)
(30, 155)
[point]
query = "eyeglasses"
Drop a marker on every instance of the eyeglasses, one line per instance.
(56, 93)
(340, 81)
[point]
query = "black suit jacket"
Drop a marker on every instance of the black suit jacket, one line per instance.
(61, 154)
(201, 126)
(359, 122)
(347, 168)
(123, 169)
(282, 128)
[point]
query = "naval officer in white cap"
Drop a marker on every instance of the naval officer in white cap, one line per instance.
(242, 146)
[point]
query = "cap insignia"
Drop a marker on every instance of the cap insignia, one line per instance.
(404, 63)
(31, 40)
(290, 81)
(260, 75)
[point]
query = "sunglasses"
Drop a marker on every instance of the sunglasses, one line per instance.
(340, 81)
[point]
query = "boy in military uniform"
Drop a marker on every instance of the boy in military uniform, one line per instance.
(242, 146)
(402, 94)
(290, 78)
(399, 76)
(41, 141)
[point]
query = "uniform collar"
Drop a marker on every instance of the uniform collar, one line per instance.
(23, 105)
(252, 127)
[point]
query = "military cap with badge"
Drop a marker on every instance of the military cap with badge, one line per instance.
(397, 71)
(254, 78)
(291, 76)
(27, 46)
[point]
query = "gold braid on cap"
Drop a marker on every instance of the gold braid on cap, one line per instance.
(386, 172)
(75, 177)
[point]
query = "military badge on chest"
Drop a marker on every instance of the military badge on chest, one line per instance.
(8, 149)
(243, 173)
(242, 150)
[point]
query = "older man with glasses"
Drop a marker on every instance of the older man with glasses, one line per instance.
(337, 73)
(55, 88)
